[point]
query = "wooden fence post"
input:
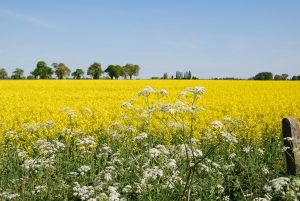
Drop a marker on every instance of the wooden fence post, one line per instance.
(291, 139)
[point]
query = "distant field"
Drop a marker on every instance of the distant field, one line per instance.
(261, 104)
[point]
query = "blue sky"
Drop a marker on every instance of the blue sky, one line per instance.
(212, 38)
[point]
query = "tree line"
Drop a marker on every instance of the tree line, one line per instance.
(43, 71)
(269, 76)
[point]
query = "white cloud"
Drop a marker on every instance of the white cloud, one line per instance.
(23, 18)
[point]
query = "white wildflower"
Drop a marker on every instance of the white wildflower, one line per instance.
(38, 189)
(229, 137)
(279, 183)
(84, 169)
(146, 91)
(265, 170)
(127, 189)
(247, 149)
(193, 91)
(73, 173)
(71, 113)
(140, 137)
(113, 194)
(153, 173)
(83, 192)
(171, 164)
(154, 152)
(8, 196)
(126, 105)
(217, 125)
(86, 144)
(162, 92)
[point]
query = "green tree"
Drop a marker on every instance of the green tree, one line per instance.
(114, 71)
(78, 73)
(131, 70)
(17, 74)
(263, 76)
(165, 76)
(278, 77)
(284, 76)
(42, 71)
(3, 74)
(61, 70)
(95, 70)
(296, 77)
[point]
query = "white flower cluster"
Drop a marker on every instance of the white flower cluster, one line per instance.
(229, 137)
(38, 189)
(8, 196)
(115, 129)
(47, 148)
(186, 151)
(146, 91)
(11, 135)
(113, 194)
(151, 174)
(84, 169)
(86, 144)
(217, 125)
(126, 105)
(159, 151)
(71, 113)
(105, 151)
(39, 163)
(278, 184)
(149, 90)
(50, 124)
(140, 137)
(84, 192)
(196, 92)
(32, 128)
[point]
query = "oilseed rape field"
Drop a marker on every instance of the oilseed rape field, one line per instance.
(145, 140)
(260, 105)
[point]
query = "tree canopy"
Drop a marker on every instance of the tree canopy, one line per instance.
(78, 73)
(17, 74)
(95, 70)
(131, 70)
(42, 71)
(263, 76)
(3, 74)
(61, 70)
(114, 71)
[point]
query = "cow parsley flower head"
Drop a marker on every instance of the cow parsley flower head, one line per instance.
(140, 137)
(196, 92)
(83, 192)
(113, 193)
(8, 195)
(38, 189)
(84, 169)
(229, 137)
(217, 125)
(126, 105)
(146, 91)
(162, 92)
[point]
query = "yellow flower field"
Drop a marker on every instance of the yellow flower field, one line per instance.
(261, 104)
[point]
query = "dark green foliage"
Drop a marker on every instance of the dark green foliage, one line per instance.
(78, 74)
(131, 70)
(17, 74)
(114, 71)
(3, 74)
(42, 71)
(263, 76)
(61, 70)
(95, 70)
